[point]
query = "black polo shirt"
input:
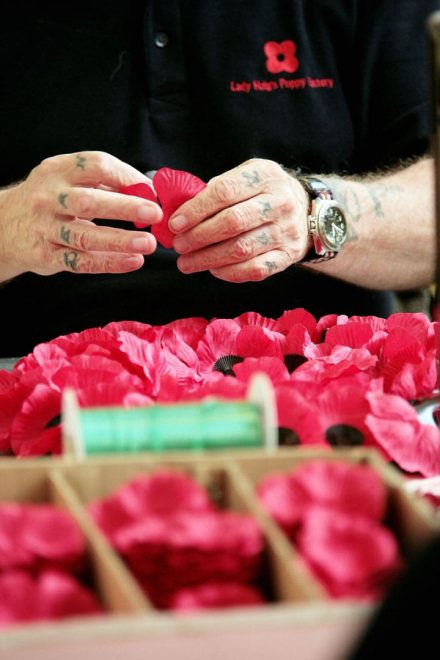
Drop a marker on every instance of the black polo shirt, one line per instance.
(195, 86)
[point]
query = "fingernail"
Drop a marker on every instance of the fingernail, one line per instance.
(133, 263)
(185, 264)
(178, 223)
(147, 215)
(180, 244)
(141, 244)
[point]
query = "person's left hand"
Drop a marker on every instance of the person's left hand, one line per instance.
(247, 224)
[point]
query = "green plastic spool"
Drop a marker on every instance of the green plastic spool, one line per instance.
(210, 424)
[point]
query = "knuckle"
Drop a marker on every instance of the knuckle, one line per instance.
(38, 202)
(99, 160)
(237, 220)
(47, 166)
(258, 272)
(225, 190)
(241, 248)
(84, 204)
(82, 241)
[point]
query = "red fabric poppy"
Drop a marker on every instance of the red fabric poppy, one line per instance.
(415, 447)
(159, 494)
(29, 436)
(34, 536)
(300, 415)
(50, 595)
(172, 537)
(353, 556)
(333, 484)
(172, 188)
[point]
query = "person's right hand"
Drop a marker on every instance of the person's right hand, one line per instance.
(46, 222)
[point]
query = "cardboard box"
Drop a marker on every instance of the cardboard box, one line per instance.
(300, 622)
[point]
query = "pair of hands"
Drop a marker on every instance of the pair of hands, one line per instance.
(246, 225)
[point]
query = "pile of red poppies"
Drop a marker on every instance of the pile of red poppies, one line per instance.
(184, 551)
(42, 557)
(333, 512)
(337, 381)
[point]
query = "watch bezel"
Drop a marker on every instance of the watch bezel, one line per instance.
(319, 209)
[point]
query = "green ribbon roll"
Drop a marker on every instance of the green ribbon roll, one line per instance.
(209, 424)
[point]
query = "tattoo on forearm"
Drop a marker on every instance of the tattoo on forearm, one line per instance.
(376, 201)
(270, 265)
(252, 179)
(70, 259)
(81, 161)
(62, 199)
(263, 238)
(65, 234)
(265, 208)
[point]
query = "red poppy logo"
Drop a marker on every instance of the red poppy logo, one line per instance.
(281, 57)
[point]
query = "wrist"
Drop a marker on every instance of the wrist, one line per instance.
(327, 223)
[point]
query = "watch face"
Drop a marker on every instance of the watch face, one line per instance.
(333, 226)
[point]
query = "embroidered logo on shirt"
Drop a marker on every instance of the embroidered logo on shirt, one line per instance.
(281, 57)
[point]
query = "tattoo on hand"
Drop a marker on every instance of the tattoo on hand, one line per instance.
(65, 234)
(62, 199)
(81, 161)
(252, 179)
(270, 265)
(263, 238)
(70, 259)
(266, 207)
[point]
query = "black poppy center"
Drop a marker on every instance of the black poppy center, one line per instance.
(287, 437)
(53, 422)
(293, 361)
(341, 435)
(225, 364)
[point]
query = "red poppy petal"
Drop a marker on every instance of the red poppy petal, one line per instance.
(416, 324)
(355, 335)
(216, 595)
(37, 411)
(273, 367)
(347, 550)
(163, 234)
(17, 597)
(253, 341)
(52, 535)
(60, 595)
(413, 446)
(175, 187)
(348, 487)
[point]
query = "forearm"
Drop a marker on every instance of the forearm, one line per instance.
(392, 241)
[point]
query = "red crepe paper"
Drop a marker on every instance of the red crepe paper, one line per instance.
(172, 188)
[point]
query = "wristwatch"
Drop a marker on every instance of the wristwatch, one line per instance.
(326, 220)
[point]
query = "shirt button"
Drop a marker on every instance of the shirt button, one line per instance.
(161, 40)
